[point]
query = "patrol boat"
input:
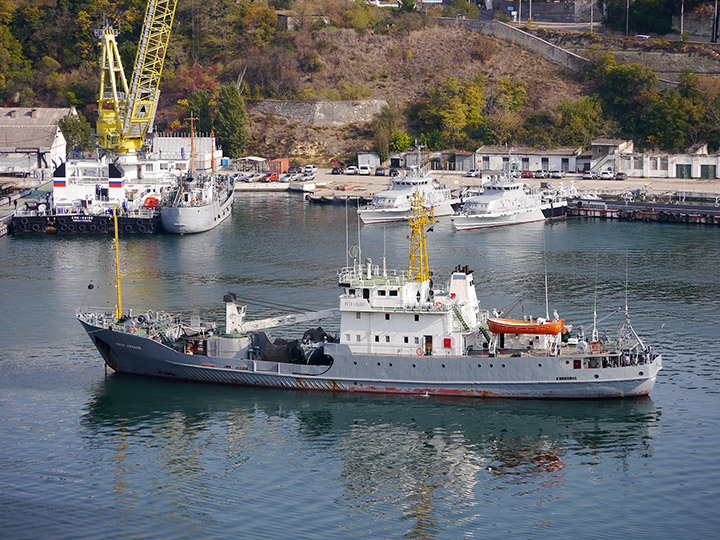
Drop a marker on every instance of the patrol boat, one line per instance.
(400, 333)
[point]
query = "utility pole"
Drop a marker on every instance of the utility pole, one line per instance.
(682, 18)
(627, 18)
(714, 36)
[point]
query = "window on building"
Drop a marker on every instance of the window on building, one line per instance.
(357, 338)
(393, 293)
(358, 315)
(382, 292)
(347, 337)
(377, 339)
(417, 318)
(387, 339)
(406, 339)
(417, 340)
(387, 316)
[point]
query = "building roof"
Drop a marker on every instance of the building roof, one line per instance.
(528, 151)
(30, 127)
(608, 142)
(174, 144)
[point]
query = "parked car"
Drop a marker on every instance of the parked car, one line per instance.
(394, 172)
(294, 169)
(270, 177)
(351, 170)
(620, 176)
(380, 171)
(364, 170)
(472, 173)
(337, 170)
(254, 177)
(287, 177)
(311, 169)
(606, 175)
(557, 174)
(526, 174)
(587, 175)
(540, 174)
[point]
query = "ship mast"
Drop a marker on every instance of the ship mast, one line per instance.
(118, 276)
(418, 268)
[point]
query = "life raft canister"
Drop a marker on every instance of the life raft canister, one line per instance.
(151, 203)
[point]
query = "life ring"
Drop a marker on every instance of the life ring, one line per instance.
(420, 351)
(151, 203)
(132, 329)
(438, 305)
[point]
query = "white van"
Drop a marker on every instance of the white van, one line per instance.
(364, 169)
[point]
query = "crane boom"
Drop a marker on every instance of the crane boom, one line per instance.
(124, 120)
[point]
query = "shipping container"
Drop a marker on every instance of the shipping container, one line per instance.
(279, 165)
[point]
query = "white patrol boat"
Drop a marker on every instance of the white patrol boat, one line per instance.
(395, 204)
(400, 333)
(506, 201)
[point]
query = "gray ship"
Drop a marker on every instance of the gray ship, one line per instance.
(399, 334)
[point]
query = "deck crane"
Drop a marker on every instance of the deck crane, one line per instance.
(126, 113)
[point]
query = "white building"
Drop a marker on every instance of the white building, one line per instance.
(524, 158)
(30, 139)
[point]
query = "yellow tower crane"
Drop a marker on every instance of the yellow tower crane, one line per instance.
(126, 113)
(418, 267)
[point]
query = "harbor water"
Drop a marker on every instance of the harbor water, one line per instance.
(87, 453)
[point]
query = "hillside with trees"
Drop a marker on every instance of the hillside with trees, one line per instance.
(451, 88)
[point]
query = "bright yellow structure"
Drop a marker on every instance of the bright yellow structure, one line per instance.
(118, 277)
(126, 113)
(418, 268)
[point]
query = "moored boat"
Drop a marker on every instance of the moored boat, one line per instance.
(400, 333)
(199, 204)
(506, 201)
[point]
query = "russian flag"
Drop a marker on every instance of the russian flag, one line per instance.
(117, 183)
(459, 276)
(58, 182)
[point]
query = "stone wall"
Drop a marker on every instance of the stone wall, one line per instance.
(552, 53)
(321, 113)
(573, 11)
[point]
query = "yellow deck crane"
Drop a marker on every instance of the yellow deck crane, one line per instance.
(126, 114)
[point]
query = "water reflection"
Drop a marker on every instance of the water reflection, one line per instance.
(431, 461)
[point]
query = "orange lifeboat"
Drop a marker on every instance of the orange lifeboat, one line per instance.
(511, 326)
(151, 203)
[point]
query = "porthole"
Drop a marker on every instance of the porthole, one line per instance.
(479, 365)
(390, 364)
(491, 365)
(641, 373)
(355, 383)
(443, 365)
(414, 365)
(356, 365)
(567, 362)
(539, 365)
(378, 363)
(597, 376)
(503, 365)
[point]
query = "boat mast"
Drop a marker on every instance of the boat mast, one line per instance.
(418, 267)
(118, 276)
(192, 143)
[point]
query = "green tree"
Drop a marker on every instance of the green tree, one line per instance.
(400, 141)
(77, 131)
(580, 121)
(231, 121)
(199, 107)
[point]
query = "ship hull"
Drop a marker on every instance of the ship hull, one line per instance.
(196, 219)
(67, 224)
(469, 376)
(373, 216)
